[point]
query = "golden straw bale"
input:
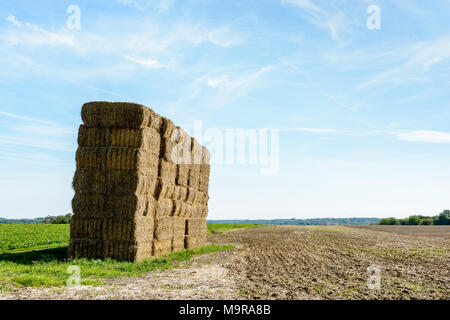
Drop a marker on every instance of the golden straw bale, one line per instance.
(167, 171)
(164, 208)
(164, 190)
(179, 208)
(195, 227)
(192, 195)
(178, 243)
(194, 177)
(191, 242)
(161, 247)
(182, 175)
(180, 193)
(163, 228)
(116, 114)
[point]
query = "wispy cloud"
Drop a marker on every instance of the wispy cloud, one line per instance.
(313, 130)
(159, 5)
(424, 136)
(239, 82)
(25, 33)
(36, 133)
(145, 62)
(333, 20)
(419, 59)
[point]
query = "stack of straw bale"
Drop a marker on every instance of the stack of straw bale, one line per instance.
(141, 185)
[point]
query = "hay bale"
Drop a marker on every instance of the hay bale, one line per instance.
(179, 208)
(191, 242)
(114, 182)
(167, 171)
(164, 190)
(118, 115)
(164, 208)
(163, 228)
(182, 175)
(194, 177)
(161, 247)
(180, 193)
(196, 152)
(178, 243)
(143, 251)
(146, 138)
(192, 195)
(179, 226)
(195, 227)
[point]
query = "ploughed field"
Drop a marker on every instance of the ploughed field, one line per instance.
(331, 262)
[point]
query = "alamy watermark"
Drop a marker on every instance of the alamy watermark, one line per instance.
(74, 20)
(374, 279)
(374, 20)
(75, 276)
(228, 146)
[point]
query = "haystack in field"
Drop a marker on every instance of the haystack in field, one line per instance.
(141, 185)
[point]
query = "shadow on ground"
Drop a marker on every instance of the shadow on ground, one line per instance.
(31, 257)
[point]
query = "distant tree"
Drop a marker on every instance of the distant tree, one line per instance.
(443, 218)
(414, 221)
(389, 221)
(427, 221)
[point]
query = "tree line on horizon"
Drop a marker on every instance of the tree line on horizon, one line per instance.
(61, 219)
(417, 220)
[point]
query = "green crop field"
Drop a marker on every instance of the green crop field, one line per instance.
(16, 237)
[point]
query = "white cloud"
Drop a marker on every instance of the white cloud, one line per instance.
(331, 20)
(313, 130)
(425, 136)
(14, 21)
(420, 58)
(238, 82)
(159, 5)
(32, 35)
(31, 132)
(145, 62)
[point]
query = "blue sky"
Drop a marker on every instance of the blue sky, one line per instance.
(363, 114)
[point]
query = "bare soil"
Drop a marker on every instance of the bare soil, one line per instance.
(293, 262)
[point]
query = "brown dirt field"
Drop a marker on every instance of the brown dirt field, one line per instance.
(293, 262)
(330, 262)
(417, 231)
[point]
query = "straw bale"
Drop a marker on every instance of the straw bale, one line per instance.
(143, 251)
(192, 195)
(146, 138)
(164, 208)
(163, 228)
(178, 243)
(114, 182)
(194, 177)
(179, 226)
(164, 190)
(179, 208)
(197, 152)
(196, 227)
(100, 206)
(191, 242)
(167, 171)
(161, 247)
(118, 114)
(206, 156)
(182, 175)
(180, 193)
